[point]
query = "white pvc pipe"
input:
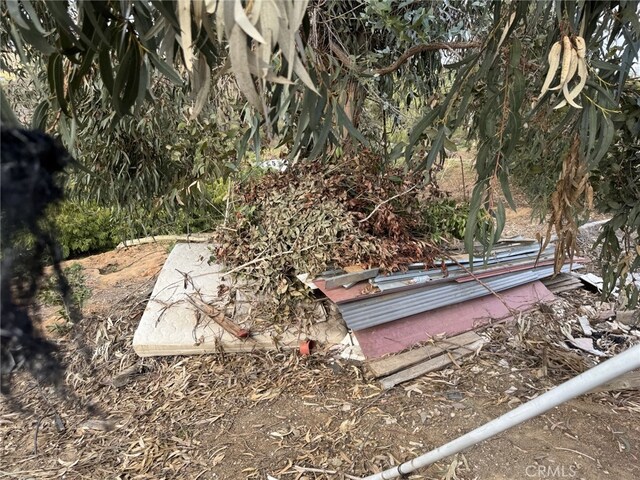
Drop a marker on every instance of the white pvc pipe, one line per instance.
(583, 383)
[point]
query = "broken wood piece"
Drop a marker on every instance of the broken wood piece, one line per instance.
(606, 315)
(219, 318)
(563, 282)
(628, 381)
(431, 365)
(391, 364)
(196, 238)
(353, 277)
(354, 269)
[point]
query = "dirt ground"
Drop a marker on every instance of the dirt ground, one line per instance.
(292, 417)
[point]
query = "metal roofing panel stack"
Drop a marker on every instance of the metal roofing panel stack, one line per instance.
(369, 312)
(450, 320)
(386, 298)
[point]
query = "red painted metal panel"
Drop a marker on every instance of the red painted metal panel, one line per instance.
(404, 333)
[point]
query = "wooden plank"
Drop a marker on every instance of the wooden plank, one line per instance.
(561, 281)
(218, 317)
(354, 268)
(353, 277)
(392, 364)
(567, 288)
(628, 381)
(436, 363)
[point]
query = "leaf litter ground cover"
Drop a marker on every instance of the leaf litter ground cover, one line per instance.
(292, 417)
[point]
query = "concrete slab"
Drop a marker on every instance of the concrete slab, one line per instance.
(171, 325)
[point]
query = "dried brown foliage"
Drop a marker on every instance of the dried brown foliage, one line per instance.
(316, 216)
(572, 198)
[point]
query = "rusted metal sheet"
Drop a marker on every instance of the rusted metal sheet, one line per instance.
(498, 263)
(341, 294)
(350, 277)
(501, 270)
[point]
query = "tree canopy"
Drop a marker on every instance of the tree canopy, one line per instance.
(429, 69)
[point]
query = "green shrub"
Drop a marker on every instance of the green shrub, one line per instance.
(85, 228)
(197, 216)
(445, 219)
(74, 273)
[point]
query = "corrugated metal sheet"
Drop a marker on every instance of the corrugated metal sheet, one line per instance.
(400, 334)
(511, 251)
(404, 279)
(341, 294)
(519, 256)
(369, 312)
(504, 268)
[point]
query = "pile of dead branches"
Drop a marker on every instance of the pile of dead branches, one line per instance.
(316, 216)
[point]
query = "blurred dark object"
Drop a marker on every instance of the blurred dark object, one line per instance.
(32, 163)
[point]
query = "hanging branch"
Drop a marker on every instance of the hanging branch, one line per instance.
(415, 50)
(425, 47)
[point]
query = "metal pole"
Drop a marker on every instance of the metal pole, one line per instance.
(583, 383)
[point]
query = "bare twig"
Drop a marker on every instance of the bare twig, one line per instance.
(576, 451)
(191, 238)
(322, 470)
(276, 255)
(425, 47)
(385, 202)
(415, 50)
(35, 435)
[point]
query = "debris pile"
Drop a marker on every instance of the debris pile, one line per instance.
(394, 312)
(385, 298)
(571, 335)
(315, 216)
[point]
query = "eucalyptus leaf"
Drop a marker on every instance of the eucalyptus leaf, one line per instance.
(39, 120)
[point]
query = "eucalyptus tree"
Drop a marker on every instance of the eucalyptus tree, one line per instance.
(306, 69)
